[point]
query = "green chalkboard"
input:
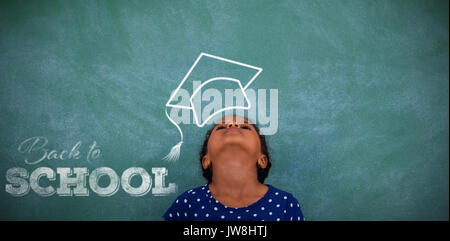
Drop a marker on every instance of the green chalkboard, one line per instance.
(362, 101)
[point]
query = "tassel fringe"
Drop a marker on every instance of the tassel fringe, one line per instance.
(174, 153)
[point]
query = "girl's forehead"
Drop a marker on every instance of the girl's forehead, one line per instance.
(234, 119)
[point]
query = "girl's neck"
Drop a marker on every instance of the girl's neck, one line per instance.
(235, 177)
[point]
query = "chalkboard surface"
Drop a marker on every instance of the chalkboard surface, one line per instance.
(363, 100)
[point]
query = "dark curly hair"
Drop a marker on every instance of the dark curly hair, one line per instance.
(262, 172)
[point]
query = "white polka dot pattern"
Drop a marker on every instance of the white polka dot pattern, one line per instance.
(195, 204)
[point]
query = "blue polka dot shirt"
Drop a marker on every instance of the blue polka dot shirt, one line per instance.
(199, 205)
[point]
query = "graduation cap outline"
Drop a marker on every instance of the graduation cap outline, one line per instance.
(175, 151)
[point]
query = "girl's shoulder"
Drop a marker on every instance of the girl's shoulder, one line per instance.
(286, 202)
(281, 194)
(193, 193)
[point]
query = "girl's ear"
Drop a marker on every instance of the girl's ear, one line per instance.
(206, 162)
(262, 161)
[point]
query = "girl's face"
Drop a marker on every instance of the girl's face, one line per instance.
(234, 133)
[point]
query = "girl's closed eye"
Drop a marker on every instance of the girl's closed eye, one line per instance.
(220, 127)
(246, 127)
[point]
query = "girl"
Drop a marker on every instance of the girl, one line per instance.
(235, 161)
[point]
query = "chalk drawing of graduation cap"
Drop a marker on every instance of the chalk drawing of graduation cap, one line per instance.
(206, 69)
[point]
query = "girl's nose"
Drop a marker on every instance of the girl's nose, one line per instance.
(234, 124)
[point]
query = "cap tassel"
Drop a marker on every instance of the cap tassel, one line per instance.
(174, 153)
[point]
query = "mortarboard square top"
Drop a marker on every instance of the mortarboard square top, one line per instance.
(206, 69)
